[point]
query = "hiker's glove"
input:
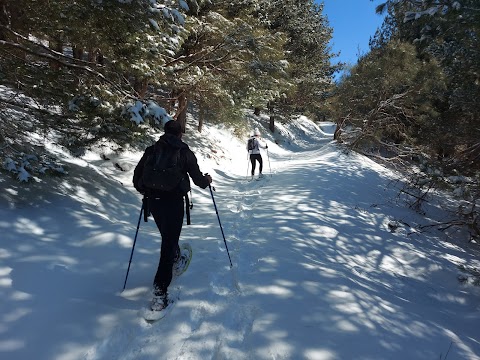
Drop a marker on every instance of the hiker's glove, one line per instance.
(141, 190)
(266, 146)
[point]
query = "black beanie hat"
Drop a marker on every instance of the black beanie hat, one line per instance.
(172, 127)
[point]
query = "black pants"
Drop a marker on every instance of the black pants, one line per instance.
(253, 159)
(168, 214)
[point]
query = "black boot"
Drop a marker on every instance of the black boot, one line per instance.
(159, 302)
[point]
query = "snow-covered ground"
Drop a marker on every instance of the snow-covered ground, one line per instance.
(326, 262)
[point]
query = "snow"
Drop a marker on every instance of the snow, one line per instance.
(154, 24)
(135, 111)
(183, 5)
(328, 262)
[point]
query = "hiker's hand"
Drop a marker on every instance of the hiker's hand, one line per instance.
(266, 146)
(209, 178)
(141, 190)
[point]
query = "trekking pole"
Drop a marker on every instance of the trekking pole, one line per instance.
(133, 247)
(268, 157)
(225, 241)
(248, 164)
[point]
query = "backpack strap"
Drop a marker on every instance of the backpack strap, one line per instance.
(188, 206)
(255, 144)
(146, 208)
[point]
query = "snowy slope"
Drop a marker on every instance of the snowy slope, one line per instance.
(318, 272)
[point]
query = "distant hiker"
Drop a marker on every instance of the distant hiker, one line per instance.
(162, 176)
(253, 146)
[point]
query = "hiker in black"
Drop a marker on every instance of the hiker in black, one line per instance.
(253, 146)
(167, 207)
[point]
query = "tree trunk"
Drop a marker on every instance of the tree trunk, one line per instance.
(77, 52)
(99, 57)
(141, 86)
(57, 46)
(271, 125)
(336, 134)
(95, 56)
(338, 129)
(171, 102)
(201, 115)
(270, 107)
(181, 114)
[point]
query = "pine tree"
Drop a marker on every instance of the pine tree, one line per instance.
(229, 61)
(81, 61)
(307, 51)
(449, 32)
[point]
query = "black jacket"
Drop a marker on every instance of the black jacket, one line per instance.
(188, 163)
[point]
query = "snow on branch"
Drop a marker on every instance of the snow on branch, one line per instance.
(422, 8)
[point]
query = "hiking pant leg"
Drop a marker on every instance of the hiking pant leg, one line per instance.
(252, 160)
(168, 214)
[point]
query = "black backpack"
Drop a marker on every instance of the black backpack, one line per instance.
(163, 169)
(251, 144)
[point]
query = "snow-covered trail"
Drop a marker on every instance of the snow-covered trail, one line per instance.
(318, 272)
(317, 275)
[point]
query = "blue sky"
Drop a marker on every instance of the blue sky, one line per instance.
(353, 22)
